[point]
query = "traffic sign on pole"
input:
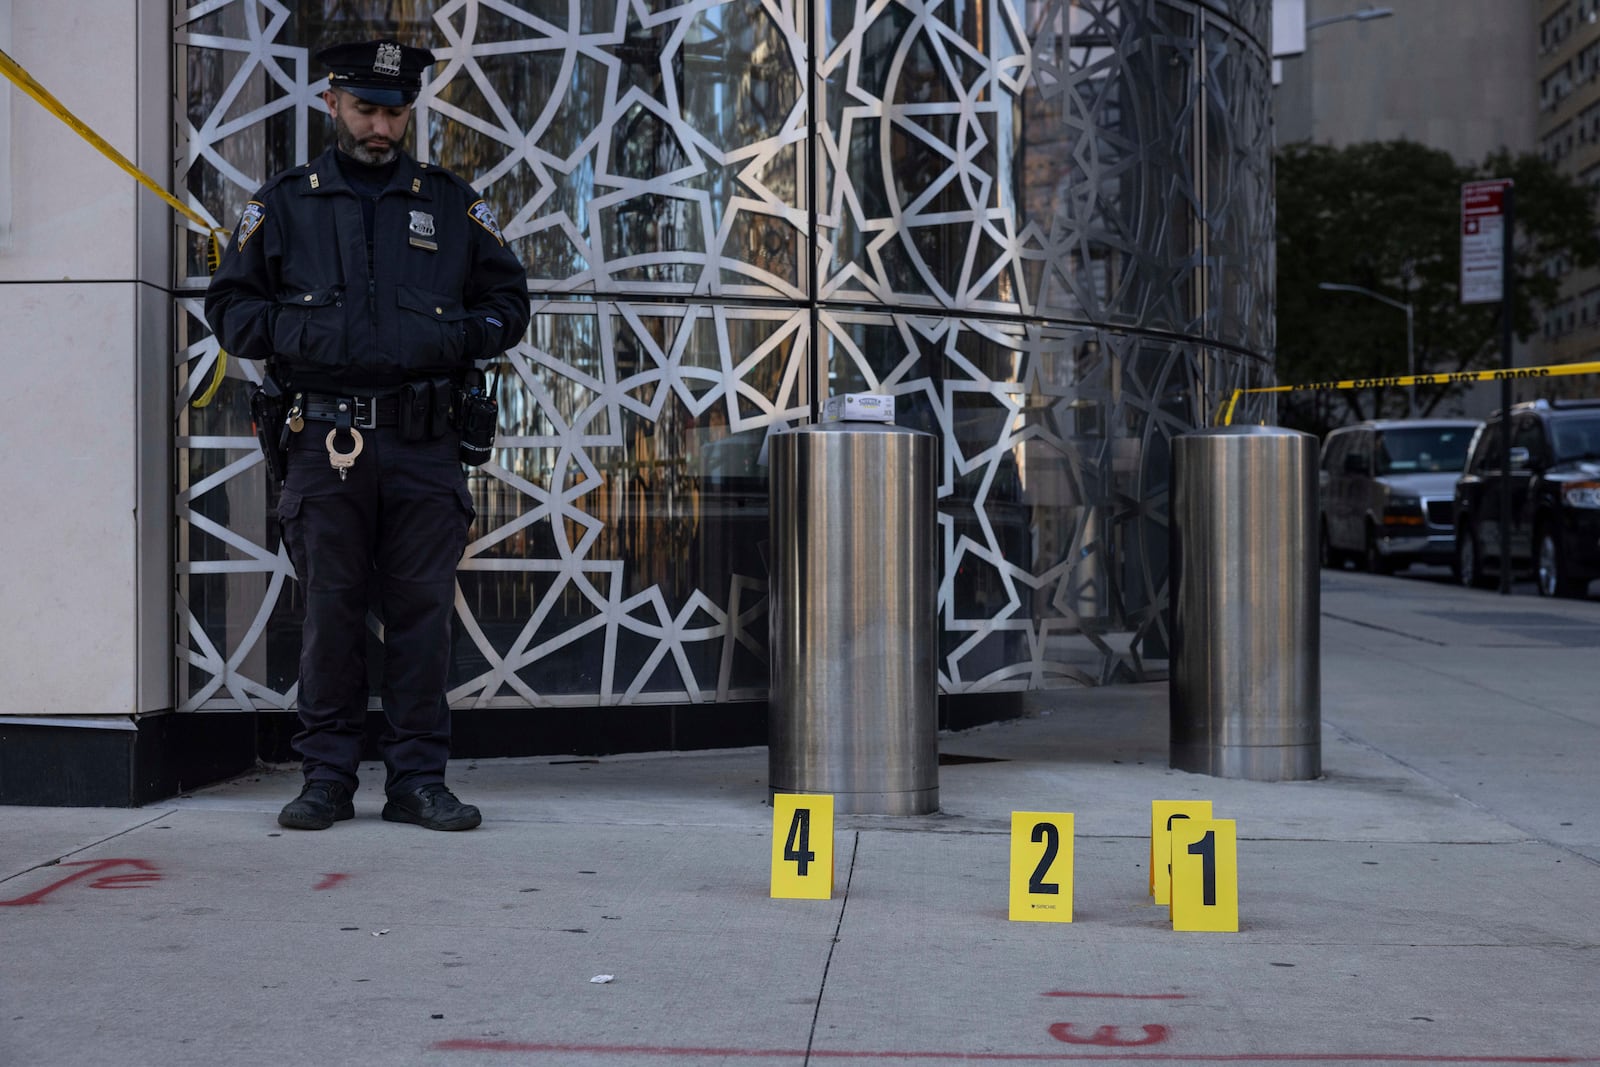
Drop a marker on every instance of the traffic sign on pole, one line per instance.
(1483, 235)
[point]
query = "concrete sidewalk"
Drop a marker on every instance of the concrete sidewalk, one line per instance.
(1431, 900)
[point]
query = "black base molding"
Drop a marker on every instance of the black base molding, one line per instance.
(485, 733)
(163, 755)
(160, 756)
(963, 711)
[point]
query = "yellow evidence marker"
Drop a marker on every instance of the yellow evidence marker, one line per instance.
(802, 846)
(1205, 875)
(1041, 866)
(1162, 815)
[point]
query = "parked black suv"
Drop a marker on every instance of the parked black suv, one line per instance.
(1555, 497)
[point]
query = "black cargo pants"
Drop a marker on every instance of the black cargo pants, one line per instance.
(397, 525)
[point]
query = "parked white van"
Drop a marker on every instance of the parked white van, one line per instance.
(1388, 492)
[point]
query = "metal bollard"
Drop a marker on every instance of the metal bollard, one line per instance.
(853, 709)
(1245, 689)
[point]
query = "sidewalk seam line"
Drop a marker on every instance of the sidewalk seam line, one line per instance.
(1511, 697)
(822, 988)
(1386, 630)
(84, 848)
(1531, 834)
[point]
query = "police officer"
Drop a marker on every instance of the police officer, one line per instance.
(371, 283)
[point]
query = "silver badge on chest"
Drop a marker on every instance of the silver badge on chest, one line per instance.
(422, 231)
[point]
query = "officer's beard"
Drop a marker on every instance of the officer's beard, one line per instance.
(360, 152)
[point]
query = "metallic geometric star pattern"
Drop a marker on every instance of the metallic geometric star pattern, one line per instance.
(1044, 225)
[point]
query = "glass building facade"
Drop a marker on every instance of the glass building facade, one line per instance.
(1044, 227)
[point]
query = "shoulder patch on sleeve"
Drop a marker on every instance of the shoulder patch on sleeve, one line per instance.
(250, 221)
(483, 215)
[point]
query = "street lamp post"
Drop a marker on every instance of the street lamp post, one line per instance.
(1354, 16)
(1411, 360)
(1294, 36)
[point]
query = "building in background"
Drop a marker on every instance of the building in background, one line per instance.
(1457, 75)
(1046, 227)
(1568, 134)
(1469, 77)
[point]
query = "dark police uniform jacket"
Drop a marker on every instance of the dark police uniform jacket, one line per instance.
(295, 285)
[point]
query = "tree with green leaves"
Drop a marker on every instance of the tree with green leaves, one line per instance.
(1385, 216)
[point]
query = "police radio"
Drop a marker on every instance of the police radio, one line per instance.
(476, 416)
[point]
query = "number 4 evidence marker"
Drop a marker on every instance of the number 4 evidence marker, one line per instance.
(802, 846)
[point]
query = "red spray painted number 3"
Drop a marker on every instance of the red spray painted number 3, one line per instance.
(1108, 1036)
(144, 872)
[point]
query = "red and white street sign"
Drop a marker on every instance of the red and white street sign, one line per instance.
(1483, 234)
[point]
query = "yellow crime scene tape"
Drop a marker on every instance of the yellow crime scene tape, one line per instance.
(25, 81)
(1457, 378)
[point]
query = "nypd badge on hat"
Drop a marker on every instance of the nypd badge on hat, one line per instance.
(383, 72)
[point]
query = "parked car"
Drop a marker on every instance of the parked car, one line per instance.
(1387, 489)
(1555, 497)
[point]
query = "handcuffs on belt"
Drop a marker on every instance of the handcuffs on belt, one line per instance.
(343, 461)
(345, 420)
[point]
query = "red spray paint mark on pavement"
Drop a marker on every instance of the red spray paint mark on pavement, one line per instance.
(1109, 1036)
(689, 1052)
(144, 874)
(124, 881)
(1119, 996)
(330, 880)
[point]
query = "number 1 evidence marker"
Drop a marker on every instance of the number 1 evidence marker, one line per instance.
(1205, 875)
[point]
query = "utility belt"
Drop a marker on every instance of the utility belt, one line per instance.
(422, 410)
(369, 412)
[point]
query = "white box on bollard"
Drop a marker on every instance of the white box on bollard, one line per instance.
(858, 407)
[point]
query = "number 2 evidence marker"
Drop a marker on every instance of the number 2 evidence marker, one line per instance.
(1041, 866)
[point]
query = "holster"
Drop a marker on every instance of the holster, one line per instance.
(268, 410)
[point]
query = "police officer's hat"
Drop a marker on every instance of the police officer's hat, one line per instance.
(383, 72)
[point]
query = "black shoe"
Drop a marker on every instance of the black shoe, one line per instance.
(433, 806)
(320, 804)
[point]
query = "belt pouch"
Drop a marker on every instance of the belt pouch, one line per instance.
(439, 416)
(416, 410)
